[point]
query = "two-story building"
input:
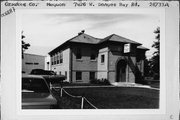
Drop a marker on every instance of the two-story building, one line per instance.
(83, 58)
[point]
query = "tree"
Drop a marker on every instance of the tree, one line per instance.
(147, 69)
(25, 46)
(154, 61)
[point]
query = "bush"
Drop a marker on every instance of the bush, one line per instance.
(102, 81)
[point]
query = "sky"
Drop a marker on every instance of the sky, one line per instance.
(44, 32)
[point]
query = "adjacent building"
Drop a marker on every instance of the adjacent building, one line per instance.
(84, 57)
(32, 61)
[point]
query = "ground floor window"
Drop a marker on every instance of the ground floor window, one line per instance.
(92, 75)
(66, 73)
(78, 76)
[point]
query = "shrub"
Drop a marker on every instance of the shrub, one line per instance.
(102, 81)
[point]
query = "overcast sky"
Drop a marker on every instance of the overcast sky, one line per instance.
(44, 32)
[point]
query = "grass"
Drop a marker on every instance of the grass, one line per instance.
(110, 98)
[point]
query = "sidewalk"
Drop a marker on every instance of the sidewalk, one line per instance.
(116, 84)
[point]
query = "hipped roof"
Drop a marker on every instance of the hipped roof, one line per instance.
(117, 38)
(84, 38)
(142, 48)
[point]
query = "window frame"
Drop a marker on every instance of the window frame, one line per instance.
(58, 57)
(78, 76)
(52, 60)
(102, 58)
(55, 59)
(78, 53)
(61, 57)
(90, 75)
(93, 54)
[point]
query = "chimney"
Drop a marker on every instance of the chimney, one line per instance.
(80, 33)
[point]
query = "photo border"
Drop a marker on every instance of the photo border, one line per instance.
(162, 96)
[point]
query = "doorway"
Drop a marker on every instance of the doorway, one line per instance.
(121, 71)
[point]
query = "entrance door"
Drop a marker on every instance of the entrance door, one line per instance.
(121, 71)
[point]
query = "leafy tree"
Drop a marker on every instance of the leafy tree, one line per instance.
(147, 69)
(25, 46)
(154, 61)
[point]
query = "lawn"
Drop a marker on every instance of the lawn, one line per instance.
(110, 98)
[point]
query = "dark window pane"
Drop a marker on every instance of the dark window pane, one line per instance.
(36, 63)
(28, 63)
(66, 73)
(78, 54)
(92, 75)
(78, 75)
(93, 56)
(61, 57)
(102, 58)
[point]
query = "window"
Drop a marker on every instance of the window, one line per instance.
(93, 56)
(78, 76)
(102, 58)
(36, 63)
(52, 60)
(55, 59)
(66, 74)
(78, 54)
(61, 57)
(28, 63)
(92, 75)
(58, 56)
(59, 72)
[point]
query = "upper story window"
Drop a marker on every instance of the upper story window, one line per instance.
(102, 58)
(78, 53)
(61, 57)
(55, 58)
(93, 57)
(52, 60)
(93, 54)
(58, 58)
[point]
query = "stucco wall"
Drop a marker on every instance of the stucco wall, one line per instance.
(63, 67)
